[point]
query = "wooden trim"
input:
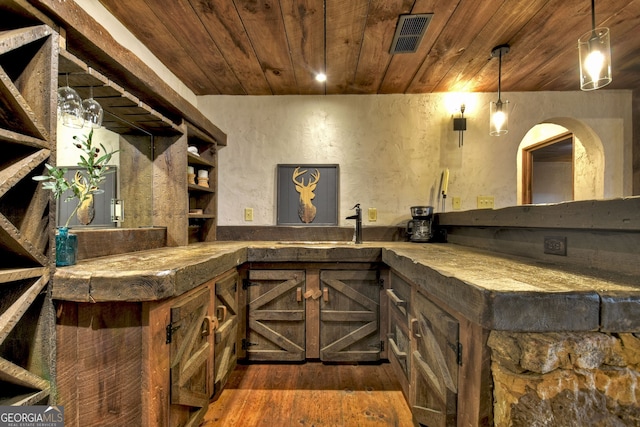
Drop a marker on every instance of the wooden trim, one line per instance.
(527, 165)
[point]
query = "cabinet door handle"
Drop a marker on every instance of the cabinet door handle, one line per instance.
(299, 294)
(221, 317)
(209, 324)
(395, 299)
(325, 294)
(415, 328)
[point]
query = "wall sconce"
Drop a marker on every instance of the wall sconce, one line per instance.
(499, 110)
(595, 56)
(460, 125)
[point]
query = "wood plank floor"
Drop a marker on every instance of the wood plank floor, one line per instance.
(310, 394)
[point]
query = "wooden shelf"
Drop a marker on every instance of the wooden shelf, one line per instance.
(192, 159)
(202, 227)
(193, 187)
(14, 274)
(201, 216)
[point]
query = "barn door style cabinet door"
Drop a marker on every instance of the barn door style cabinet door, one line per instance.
(276, 317)
(227, 312)
(333, 315)
(435, 357)
(190, 330)
(350, 316)
(399, 338)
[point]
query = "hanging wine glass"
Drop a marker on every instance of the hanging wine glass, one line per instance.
(93, 111)
(70, 110)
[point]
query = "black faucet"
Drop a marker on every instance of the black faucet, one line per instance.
(358, 218)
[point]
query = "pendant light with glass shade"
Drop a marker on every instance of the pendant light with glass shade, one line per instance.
(595, 56)
(499, 110)
(70, 110)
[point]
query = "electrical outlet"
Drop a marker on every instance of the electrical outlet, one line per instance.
(555, 245)
(373, 214)
(485, 202)
(457, 203)
(248, 214)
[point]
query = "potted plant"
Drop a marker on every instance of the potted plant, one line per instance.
(85, 184)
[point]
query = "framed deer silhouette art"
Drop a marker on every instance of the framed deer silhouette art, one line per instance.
(307, 194)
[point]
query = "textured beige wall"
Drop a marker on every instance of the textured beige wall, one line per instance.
(392, 149)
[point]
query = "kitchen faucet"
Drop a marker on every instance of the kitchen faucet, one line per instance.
(358, 218)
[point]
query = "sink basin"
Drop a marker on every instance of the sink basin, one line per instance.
(315, 243)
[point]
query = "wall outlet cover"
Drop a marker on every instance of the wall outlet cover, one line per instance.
(373, 214)
(248, 214)
(555, 245)
(485, 202)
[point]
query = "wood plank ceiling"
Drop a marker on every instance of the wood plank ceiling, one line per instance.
(275, 47)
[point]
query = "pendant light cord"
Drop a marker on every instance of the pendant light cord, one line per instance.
(499, 76)
(593, 15)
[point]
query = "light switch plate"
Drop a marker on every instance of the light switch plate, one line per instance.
(457, 203)
(248, 214)
(373, 214)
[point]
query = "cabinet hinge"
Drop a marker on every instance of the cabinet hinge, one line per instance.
(246, 283)
(378, 346)
(170, 329)
(246, 344)
(381, 282)
(459, 354)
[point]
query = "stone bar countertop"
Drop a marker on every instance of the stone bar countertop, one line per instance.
(497, 291)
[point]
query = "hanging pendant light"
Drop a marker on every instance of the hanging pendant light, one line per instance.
(499, 110)
(70, 111)
(93, 112)
(595, 56)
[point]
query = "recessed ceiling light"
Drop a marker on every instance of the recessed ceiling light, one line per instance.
(321, 77)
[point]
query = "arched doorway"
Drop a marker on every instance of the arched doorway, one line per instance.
(588, 157)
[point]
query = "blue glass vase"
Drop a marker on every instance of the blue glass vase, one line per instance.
(66, 247)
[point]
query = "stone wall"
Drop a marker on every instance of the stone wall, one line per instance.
(566, 379)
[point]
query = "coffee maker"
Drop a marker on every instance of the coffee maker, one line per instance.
(419, 229)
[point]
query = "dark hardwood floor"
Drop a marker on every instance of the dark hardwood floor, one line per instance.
(310, 394)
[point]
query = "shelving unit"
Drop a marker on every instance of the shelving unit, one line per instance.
(27, 140)
(202, 200)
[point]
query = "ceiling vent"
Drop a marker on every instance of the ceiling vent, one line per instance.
(409, 32)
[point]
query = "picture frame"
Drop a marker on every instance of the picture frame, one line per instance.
(307, 194)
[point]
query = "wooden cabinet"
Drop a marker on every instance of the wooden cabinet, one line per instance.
(435, 355)
(312, 313)
(202, 192)
(153, 363)
(440, 357)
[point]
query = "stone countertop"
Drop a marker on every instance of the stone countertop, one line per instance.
(496, 291)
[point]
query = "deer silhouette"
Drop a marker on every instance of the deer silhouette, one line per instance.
(306, 209)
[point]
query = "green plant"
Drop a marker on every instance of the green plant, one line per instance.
(86, 182)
